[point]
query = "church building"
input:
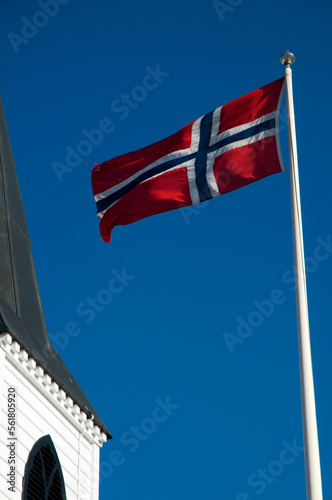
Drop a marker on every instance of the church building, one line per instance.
(50, 433)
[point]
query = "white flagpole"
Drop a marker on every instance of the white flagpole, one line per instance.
(310, 435)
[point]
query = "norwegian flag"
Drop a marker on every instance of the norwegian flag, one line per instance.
(228, 148)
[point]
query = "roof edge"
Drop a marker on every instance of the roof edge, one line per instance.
(80, 416)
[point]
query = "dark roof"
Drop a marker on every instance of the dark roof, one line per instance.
(21, 312)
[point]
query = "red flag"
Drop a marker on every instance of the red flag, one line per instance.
(228, 148)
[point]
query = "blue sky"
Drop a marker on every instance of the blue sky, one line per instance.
(186, 277)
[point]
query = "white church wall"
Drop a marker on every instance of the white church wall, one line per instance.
(42, 408)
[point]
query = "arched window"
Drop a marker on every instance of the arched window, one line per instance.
(43, 479)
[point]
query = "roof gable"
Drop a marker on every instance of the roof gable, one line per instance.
(21, 312)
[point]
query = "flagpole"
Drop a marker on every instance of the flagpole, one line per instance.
(310, 435)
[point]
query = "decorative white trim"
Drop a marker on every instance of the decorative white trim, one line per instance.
(15, 348)
(6, 339)
(89, 424)
(102, 438)
(23, 356)
(31, 364)
(95, 430)
(61, 396)
(68, 402)
(46, 380)
(76, 410)
(39, 372)
(82, 417)
(25, 363)
(54, 388)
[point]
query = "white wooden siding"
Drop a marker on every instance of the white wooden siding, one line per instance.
(37, 416)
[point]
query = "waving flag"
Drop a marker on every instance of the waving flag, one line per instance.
(228, 148)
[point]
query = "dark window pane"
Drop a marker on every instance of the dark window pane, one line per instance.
(48, 460)
(43, 479)
(36, 485)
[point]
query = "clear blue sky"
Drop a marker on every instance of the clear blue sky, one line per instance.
(187, 277)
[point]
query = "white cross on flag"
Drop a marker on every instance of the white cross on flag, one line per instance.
(230, 147)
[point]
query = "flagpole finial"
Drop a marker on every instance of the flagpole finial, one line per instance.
(287, 58)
